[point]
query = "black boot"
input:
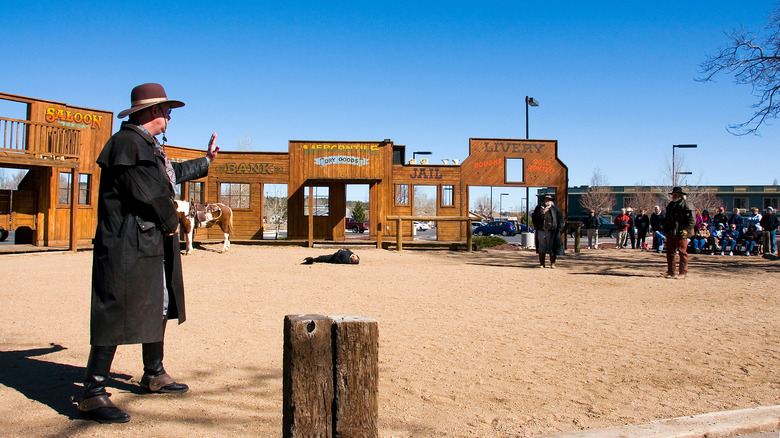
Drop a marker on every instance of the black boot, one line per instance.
(94, 404)
(541, 260)
(155, 379)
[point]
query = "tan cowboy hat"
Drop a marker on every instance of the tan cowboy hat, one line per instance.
(146, 95)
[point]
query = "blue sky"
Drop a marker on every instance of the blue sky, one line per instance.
(615, 80)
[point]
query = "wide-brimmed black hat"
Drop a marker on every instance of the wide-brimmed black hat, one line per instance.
(678, 190)
(146, 95)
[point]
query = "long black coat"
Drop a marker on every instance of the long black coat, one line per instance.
(136, 214)
(556, 242)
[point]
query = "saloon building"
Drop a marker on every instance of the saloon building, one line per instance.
(56, 202)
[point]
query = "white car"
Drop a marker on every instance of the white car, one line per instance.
(421, 226)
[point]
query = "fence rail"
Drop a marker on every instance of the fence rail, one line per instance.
(38, 140)
(400, 219)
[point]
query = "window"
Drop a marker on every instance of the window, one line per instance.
(770, 202)
(195, 192)
(629, 201)
(85, 190)
(64, 197)
(234, 195)
(740, 202)
(321, 201)
(514, 170)
(65, 188)
(402, 194)
(447, 198)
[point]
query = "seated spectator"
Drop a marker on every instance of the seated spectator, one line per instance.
(716, 235)
(729, 239)
(700, 239)
(753, 219)
(706, 219)
(752, 239)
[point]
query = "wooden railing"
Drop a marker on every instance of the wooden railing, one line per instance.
(38, 140)
(399, 229)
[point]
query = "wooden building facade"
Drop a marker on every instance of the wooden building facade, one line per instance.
(312, 167)
(57, 144)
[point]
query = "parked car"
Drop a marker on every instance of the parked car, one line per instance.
(421, 226)
(504, 228)
(474, 225)
(356, 227)
(606, 227)
(522, 228)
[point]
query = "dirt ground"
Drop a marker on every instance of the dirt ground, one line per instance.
(481, 344)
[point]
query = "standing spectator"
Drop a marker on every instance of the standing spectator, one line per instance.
(137, 282)
(720, 218)
(769, 223)
(736, 219)
(642, 228)
(631, 227)
(754, 219)
(592, 226)
(656, 226)
(622, 223)
(677, 227)
(730, 238)
(548, 221)
(752, 239)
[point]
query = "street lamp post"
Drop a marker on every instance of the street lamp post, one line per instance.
(501, 203)
(681, 173)
(680, 146)
(532, 102)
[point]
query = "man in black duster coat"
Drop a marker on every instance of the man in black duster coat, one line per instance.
(548, 222)
(137, 280)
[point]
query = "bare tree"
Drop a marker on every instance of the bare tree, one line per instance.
(599, 196)
(245, 143)
(645, 199)
(11, 178)
(275, 207)
(423, 205)
(752, 60)
(482, 207)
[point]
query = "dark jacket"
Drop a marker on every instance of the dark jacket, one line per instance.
(136, 214)
(656, 221)
(769, 222)
(679, 218)
(556, 221)
(642, 224)
(592, 222)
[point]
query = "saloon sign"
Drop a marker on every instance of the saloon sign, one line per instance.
(73, 119)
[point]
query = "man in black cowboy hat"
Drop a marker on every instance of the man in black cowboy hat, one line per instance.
(678, 226)
(136, 272)
(548, 222)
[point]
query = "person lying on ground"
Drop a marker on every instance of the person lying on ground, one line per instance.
(342, 256)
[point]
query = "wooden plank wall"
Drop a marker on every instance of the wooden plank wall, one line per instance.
(334, 164)
(435, 175)
(52, 221)
(486, 166)
(253, 168)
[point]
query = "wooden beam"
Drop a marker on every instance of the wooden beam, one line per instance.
(356, 377)
(307, 377)
(74, 208)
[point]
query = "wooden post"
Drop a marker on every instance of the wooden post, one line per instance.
(379, 235)
(74, 208)
(469, 235)
(307, 377)
(356, 381)
(399, 235)
(311, 216)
